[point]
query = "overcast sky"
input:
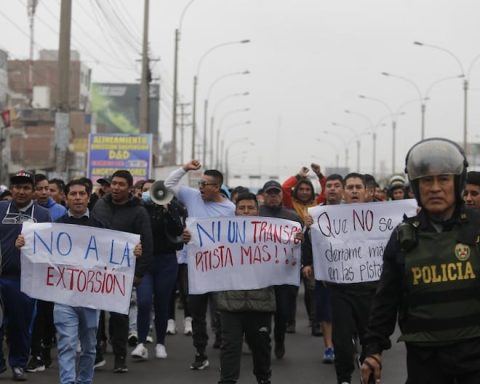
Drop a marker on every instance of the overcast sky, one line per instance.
(309, 60)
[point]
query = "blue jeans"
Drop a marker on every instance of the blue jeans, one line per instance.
(74, 323)
(157, 285)
(18, 321)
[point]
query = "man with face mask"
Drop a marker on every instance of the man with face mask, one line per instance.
(430, 278)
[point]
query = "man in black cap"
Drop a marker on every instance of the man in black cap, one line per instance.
(285, 295)
(18, 306)
(104, 186)
(471, 193)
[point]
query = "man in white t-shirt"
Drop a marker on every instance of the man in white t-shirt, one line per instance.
(206, 201)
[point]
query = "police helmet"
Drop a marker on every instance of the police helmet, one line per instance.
(395, 182)
(436, 156)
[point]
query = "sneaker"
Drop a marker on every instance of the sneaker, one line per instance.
(187, 326)
(132, 339)
(149, 339)
(140, 352)
(35, 364)
(160, 351)
(120, 365)
(171, 328)
(99, 361)
(200, 363)
(19, 374)
(328, 356)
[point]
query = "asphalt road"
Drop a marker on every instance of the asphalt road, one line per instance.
(301, 365)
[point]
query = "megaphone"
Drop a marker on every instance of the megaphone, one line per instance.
(160, 194)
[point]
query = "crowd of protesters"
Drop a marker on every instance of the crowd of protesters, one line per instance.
(337, 312)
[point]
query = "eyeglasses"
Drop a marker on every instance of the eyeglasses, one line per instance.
(202, 184)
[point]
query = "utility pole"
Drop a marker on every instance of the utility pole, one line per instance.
(62, 117)
(146, 75)
(183, 114)
(31, 7)
(173, 158)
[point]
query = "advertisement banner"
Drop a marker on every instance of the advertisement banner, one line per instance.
(115, 107)
(110, 152)
(238, 253)
(78, 265)
(348, 240)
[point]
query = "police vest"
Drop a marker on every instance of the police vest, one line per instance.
(442, 296)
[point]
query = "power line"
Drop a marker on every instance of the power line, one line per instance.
(94, 41)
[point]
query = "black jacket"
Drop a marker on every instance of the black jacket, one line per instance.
(130, 217)
(167, 226)
(388, 300)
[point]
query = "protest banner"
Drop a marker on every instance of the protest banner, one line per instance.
(78, 265)
(348, 240)
(237, 253)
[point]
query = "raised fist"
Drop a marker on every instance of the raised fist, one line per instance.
(192, 165)
(303, 172)
(316, 168)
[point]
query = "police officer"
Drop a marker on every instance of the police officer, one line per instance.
(430, 277)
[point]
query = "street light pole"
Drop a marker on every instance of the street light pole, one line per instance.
(370, 124)
(211, 127)
(218, 151)
(173, 154)
(465, 87)
(394, 126)
(420, 97)
(195, 85)
(344, 142)
(246, 72)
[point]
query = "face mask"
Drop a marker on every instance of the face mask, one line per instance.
(146, 197)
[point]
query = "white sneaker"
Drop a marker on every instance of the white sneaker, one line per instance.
(140, 352)
(149, 339)
(160, 351)
(171, 328)
(187, 326)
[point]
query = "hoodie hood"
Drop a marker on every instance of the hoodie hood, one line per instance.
(295, 189)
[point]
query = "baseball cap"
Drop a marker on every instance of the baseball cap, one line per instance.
(105, 180)
(22, 177)
(271, 185)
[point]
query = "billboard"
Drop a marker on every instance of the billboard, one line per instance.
(110, 152)
(115, 107)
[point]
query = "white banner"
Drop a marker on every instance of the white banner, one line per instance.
(348, 240)
(78, 265)
(243, 252)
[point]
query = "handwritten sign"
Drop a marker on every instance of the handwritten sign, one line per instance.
(78, 265)
(237, 253)
(348, 240)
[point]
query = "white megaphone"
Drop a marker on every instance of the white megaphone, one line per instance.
(160, 194)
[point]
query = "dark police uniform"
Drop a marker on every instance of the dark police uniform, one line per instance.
(431, 278)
